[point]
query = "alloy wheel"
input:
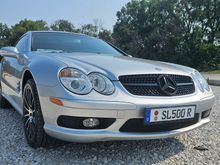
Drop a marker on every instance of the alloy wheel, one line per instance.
(29, 113)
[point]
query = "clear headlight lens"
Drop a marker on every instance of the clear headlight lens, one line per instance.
(101, 83)
(75, 81)
(78, 82)
(200, 81)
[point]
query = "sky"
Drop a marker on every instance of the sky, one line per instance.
(76, 11)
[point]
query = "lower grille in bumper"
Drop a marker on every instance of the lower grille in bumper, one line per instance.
(137, 125)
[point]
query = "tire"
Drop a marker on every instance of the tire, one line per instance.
(33, 121)
(3, 102)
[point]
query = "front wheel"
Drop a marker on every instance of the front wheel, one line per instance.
(33, 119)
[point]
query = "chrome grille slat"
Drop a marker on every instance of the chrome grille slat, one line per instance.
(183, 84)
(141, 84)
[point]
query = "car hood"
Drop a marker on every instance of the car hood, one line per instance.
(115, 66)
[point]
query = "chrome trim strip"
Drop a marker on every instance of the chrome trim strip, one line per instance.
(184, 84)
(140, 84)
(153, 84)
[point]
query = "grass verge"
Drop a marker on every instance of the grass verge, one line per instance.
(214, 72)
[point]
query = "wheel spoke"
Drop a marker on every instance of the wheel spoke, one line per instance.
(26, 109)
(32, 129)
(32, 102)
(27, 115)
(29, 131)
(25, 100)
(29, 98)
(28, 120)
(28, 125)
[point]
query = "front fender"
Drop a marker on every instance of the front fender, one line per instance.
(45, 70)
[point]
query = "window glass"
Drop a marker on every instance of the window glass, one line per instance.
(67, 42)
(22, 44)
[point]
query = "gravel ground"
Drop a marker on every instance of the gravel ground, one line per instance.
(179, 150)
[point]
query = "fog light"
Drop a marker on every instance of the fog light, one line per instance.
(90, 122)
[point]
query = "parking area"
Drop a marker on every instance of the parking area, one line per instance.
(201, 146)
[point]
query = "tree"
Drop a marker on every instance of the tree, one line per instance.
(106, 35)
(202, 25)
(23, 26)
(169, 30)
(63, 25)
(147, 29)
(4, 34)
(89, 29)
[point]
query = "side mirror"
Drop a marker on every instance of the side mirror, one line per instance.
(9, 52)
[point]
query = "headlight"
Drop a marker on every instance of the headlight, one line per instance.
(78, 82)
(200, 81)
(101, 83)
(75, 81)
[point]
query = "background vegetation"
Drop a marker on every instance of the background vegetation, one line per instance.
(180, 31)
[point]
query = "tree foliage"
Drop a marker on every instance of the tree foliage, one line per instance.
(178, 31)
(23, 26)
(106, 35)
(4, 34)
(63, 25)
(89, 29)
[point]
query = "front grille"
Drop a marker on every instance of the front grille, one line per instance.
(146, 85)
(137, 125)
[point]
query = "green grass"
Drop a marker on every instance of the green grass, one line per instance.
(214, 72)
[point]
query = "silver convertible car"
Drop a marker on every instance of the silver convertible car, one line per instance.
(78, 88)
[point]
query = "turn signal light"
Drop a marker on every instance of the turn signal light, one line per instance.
(56, 101)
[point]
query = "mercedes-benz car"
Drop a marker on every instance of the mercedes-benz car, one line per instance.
(78, 88)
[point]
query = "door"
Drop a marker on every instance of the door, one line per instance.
(12, 68)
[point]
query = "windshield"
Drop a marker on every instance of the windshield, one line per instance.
(52, 42)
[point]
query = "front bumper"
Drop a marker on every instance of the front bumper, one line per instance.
(108, 135)
(128, 107)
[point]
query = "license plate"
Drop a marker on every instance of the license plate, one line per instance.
(153, 115)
